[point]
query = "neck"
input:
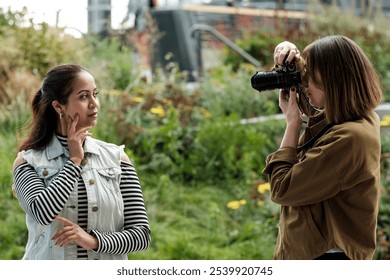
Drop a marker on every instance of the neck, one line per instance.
(61, 135)
(62, 128)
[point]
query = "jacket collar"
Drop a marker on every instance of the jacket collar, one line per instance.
(55, 149)
(316, 123)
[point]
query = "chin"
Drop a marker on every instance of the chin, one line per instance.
(313, 103)
(87, 123)
(92, 123)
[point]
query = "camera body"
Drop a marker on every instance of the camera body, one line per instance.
(283, 77)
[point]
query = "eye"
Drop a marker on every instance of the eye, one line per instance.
(95, 93)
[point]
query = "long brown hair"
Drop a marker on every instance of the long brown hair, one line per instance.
(57, 85)
(350, 83)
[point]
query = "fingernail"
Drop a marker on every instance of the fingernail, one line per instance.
(292, 89)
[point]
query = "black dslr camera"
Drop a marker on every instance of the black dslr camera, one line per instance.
(283, 77)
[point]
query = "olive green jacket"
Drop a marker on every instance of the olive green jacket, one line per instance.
(329, 194)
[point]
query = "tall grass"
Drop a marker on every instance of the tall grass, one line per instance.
(195, 223)
(13, 233)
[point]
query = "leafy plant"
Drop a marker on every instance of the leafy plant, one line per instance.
(383, 251)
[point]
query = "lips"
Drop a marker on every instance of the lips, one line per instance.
(93, 115)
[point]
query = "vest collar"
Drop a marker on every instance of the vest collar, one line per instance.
(55, 149)
(90, 146)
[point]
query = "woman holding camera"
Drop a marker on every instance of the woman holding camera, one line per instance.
(327, 179)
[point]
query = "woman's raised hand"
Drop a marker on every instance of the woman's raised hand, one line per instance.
(286, 49)
(76, 137)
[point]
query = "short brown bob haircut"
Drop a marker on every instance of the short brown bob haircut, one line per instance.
(338, 66)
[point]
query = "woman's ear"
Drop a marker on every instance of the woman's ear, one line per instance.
(57, 106)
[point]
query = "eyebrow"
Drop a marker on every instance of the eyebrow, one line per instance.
(86, 90)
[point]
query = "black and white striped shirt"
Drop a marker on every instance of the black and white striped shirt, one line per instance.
(43, 203)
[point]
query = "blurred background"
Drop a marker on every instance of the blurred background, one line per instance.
(175, 84)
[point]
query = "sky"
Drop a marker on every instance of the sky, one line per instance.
(72, 13)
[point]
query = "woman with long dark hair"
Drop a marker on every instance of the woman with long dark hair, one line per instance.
(82, 196)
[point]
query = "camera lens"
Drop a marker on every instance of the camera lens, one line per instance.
(268, 80)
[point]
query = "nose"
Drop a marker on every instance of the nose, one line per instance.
(94, 103)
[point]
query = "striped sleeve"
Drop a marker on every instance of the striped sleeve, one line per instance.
(40, 202)
(136, 233)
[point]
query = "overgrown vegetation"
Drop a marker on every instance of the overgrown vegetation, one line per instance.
(199, 162)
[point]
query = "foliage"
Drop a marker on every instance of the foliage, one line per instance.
(35, 47)
(260, 43)
(111, 62)
(226, 91)
(28, 50)
(383, 251)
(13, 233)
(225, 149)
(182, 228)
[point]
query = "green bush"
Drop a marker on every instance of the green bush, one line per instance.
(225, 91)
(383, 251)
(35, 47)
(224, 149)
(196, 223)
(111, 63)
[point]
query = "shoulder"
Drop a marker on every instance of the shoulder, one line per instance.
(117, 150)
(362, 129)
(125, 157)
(18, 161)
(360, 134)
(103, 143)
(96, 144)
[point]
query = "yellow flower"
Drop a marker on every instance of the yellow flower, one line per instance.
(138, 99)
(243, 201)
(235, 204)
(158, 111)
(385, 121)
(262, 188)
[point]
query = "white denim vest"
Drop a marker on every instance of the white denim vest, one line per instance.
(101, 174)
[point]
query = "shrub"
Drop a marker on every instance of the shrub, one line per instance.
(383, 250)
(111, 63)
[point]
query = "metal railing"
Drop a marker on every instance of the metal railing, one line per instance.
(225, 40)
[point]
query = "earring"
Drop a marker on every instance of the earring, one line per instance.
(60, 115)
